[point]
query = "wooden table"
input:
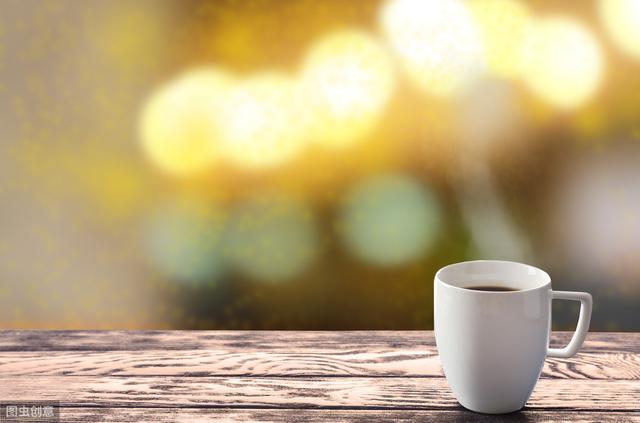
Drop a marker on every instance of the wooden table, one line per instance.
(159, 376)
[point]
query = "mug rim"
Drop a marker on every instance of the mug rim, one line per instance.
(546, 283)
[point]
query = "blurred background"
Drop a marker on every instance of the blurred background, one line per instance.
(310, 164)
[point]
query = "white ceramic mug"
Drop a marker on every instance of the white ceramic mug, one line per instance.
(492, 345)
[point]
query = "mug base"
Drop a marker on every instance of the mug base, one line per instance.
(492, 410)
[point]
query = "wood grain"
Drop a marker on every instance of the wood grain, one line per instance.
(329, 362)
(320, 392)
(185, 376)
(188, 415)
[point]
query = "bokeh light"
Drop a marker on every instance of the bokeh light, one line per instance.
(621, 19)
(389, 219)
(264, 121)
(348, 79)
(179, 125)
(596, 216)
(106, 125)
(563, 62)
(183, 240)
(271, 238)
(437, 42)
(489, 112)
(503, 26)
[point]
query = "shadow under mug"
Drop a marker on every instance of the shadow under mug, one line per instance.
(493, 344)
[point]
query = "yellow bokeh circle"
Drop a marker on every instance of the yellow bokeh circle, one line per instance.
(437, 42)
(563, 62)
(264, 122)
(503, 26)
(179, 123)
(621, 19)
(347, 79)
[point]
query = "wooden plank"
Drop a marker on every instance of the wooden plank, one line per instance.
(329, 362)
(188, 415)
(321, 392)
(589, 365)
(37, 340)
(347, 341)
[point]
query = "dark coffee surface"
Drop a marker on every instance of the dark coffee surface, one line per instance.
(490, 288)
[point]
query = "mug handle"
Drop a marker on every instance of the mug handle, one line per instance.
(582, 328)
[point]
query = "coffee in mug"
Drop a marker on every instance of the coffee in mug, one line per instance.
(490, 288)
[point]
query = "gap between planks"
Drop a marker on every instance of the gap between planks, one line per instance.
(348, 341)
(73, 415)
